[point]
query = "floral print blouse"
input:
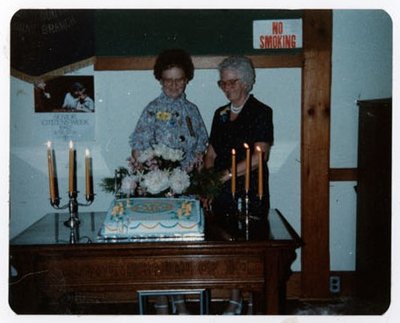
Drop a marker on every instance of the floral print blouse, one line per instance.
(176, 123)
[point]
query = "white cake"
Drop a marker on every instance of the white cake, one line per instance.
(154, 219)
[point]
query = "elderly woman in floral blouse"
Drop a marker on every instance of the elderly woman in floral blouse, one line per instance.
(173, 121)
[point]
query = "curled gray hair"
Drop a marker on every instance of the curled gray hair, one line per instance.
(243, 66)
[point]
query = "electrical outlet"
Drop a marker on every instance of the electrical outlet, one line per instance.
(334, 284)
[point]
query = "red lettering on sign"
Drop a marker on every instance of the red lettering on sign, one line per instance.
(277, 27)
(262, 45)
(277, 41)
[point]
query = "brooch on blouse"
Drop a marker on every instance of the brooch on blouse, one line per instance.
(224, 114)
(163, 116)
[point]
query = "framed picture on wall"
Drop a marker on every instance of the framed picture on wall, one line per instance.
(65, 94)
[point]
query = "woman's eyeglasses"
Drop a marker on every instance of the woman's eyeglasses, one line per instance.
(170, 82)
(228, 83)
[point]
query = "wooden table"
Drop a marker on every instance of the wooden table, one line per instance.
(46, 270)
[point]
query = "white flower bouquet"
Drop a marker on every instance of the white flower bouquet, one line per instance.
(156, 171)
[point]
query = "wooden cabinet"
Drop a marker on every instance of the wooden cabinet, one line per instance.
(374, 201)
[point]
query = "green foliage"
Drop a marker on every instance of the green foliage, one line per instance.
(108, 183)
(205, 183)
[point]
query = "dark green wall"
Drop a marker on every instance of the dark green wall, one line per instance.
(43, 40)
(200, 32)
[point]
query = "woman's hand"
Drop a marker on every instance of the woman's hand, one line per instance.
(226, 176)
(198, 162)
(206, 203)
(210, 156)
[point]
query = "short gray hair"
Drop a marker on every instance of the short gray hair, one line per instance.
(242, 65)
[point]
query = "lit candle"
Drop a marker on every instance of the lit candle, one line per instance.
(88, 174)
(72, 174)
(233, 172)
(50, 162)
(260, 173)
(247, 173)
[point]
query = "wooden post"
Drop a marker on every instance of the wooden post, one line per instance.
(315, 135)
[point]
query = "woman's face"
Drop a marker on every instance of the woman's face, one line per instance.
(233, 88)
(173, 82)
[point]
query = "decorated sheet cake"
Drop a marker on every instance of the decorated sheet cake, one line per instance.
(154, 219)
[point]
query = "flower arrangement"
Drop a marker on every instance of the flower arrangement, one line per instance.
(157, 171)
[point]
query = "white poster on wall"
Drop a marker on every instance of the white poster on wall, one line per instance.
(277, 34)
(66, 126)
(65, 109)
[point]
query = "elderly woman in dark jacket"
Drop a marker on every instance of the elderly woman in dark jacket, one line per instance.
(243, 119)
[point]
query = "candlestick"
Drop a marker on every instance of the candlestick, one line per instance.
(52, 179)
(247, 173)
(73, 221)
(260, 173)
(88, 175)
(233, 172)
(72, 173)
(247, 215)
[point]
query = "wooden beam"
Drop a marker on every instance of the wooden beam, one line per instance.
(315, 135)
(118, 63)
(343, 174)
(200, 62)
(54, 73)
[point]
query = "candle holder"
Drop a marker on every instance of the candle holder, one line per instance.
(72, 205)
(118, 176)
(74, 234)
(243, 215)
(249, 211)
(246, 214)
